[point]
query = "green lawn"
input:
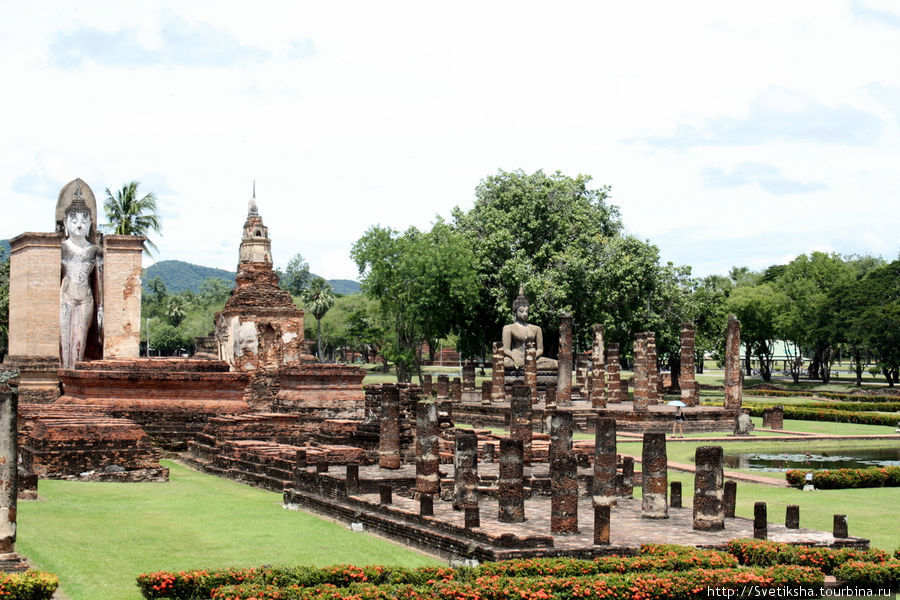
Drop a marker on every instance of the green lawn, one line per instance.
(871, 513)
(99, 536)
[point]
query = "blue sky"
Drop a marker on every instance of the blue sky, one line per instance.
(731, 134)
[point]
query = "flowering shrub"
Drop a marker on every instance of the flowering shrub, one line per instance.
(763, 553)
(884, 575)
(839, 479)
(30, 585)
(643, 586)
(185, 585)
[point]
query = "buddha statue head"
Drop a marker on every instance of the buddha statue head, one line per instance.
(520, 307)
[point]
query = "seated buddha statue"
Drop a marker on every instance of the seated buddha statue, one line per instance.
(516, 335)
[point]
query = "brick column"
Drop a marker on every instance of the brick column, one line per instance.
(675, 494)
(601, 524)
(498, 392)
(122, 295)
(792, 517)
(487, 453)
(468, 377)
(760, 521)
(641, 392)
(352, 479)
(653, 381)
(730, 498)
(604, 485)
(427, 385)
(520, 419)
(654, 476)
(597, 386)
(563, 475)
(531, 370)
(8, 468)
(687, 381)
(389, 438)
(581, 370)
(709, 509)
(472, 517)
(428, 478)
(426, 505)
(465, 463)
(615, 394)
(734, 377)
(511, 488)
(839, 528)
(443, 387)
(456, 389)
(486, 392)
(627, 477)
(564, 361)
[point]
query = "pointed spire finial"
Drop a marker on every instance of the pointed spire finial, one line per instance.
(252, 210)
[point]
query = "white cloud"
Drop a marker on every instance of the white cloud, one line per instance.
(366, 113)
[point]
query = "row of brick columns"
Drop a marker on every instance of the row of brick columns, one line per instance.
(8, 468)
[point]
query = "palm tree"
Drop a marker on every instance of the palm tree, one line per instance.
(129, 215)
(318, 298)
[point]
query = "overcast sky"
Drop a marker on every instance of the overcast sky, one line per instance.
(731, 133)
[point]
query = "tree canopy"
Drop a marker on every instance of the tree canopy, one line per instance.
(127, 214)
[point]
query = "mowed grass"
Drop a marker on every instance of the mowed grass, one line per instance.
(98, 537)
(871, 512)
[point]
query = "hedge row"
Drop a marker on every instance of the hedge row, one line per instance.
(613, 586)
(762, 553)
(842, 479)
(844, 406)
(881, 576)
(837, 416)
(30, 585)
(814, 394)
(652, 558)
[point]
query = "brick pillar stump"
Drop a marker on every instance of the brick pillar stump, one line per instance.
(564, 361)
(641, 375)
(428, 460)
(563, 495)
(601, 524)
(389, 438)
(322, 465)
(654, 477)
(675, 494)
(486, 392)
(456, 389)
(792, 516)
(627, 477)
(465, 463)
(734, 377)
(687, 381)
(839, 529)
(443, 387)
(520, 419)
(472, 517)
(730, 498)
(760, 521)
(468, 377)
(385, 494)
(487, 453)
(510, 483)
(604, 482)
(498, 392)
(9, 487)
(531, 369)
(709, 509)
(653, 381)
(352, 479)
(614, 392)
(426, 505)
(427, 385)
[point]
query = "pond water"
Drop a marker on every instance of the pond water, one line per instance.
(844, 458)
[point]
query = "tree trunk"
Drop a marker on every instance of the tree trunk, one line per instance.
(698, 362)
(748, 361)
(319, 337)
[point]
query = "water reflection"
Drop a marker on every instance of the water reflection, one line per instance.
(844, 458)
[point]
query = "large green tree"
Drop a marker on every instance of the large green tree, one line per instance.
(425, 285)
(295, 276)
(756, 307)
(544, 232)
(129, 214)
(318, 298)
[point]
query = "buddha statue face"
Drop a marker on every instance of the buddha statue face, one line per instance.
(522, 313)
(78, 224)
